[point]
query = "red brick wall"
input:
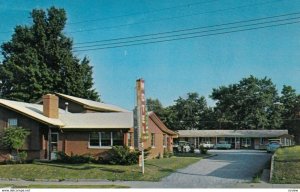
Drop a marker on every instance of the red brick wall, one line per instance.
(77, 142)
(33, 143)
(158, 149)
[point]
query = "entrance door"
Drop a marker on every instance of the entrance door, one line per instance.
(54, 146)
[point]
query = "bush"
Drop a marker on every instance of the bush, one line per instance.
(120, 155)
(73, 159)
(192, 149)
(23, 156)
(167, 154)
(203, 150)
(14, 138)
(147, 152)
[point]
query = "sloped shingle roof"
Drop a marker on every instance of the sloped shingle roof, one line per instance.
(72, 120)
(231, 133)
(160, 124)
(92, 104)
(97, 120)
(32, 110)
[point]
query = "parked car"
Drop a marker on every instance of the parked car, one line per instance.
(208, 145)
(182, 146)
(223, 145)
(272, 146)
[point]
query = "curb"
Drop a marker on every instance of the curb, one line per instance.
(272, 167)
(209, 156)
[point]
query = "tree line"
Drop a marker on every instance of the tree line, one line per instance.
(251, 103)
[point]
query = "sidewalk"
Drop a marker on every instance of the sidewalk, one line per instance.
(143, 184)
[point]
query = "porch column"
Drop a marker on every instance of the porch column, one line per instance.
(125, 137)
(234, 142)
(216, 140)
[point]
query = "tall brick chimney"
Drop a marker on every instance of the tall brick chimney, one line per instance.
(50, 106)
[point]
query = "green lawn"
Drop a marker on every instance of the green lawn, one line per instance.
(287, 165)
(155, 169)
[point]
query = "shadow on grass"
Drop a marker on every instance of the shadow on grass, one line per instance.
(81, 167)
(111, 170)
(171, 170)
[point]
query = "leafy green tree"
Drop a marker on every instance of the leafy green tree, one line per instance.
(189, 113)
(155, 106)
(249, 104)
(290, 101)
(39, 59)
(14, 138)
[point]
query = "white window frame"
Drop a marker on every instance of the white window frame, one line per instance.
(153, 140)
(129, 139)
(14, 120)
(245, 141)
(100, 141)
(261, 140)
(90, 141)
(165, 141)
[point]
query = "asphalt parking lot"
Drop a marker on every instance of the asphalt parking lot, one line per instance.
(226, 169)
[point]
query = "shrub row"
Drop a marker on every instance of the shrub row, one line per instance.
(118, 155)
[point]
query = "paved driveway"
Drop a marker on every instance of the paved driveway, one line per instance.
(225, 169)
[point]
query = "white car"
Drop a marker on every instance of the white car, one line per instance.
(208, 145)
(183, 146)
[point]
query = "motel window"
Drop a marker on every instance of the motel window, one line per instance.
(246, 142)
(164, 140)
(261, 141)
(94, 139)
(12, 122)
(117, 138)
(153, 139)
(105, 139)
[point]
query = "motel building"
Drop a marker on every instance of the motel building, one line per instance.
(239, 139)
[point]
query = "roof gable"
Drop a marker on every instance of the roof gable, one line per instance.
(160, 124)
(72, 120)
(31, 110)
(94, 105)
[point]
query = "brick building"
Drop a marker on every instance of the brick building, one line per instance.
(239, 139)
(65, 123)
(160, 137)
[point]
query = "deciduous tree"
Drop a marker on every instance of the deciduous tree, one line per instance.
(249, 104)
(38, 59)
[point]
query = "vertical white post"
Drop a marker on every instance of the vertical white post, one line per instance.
(234, 142)
(143, 162)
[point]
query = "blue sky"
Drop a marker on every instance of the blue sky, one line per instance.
(172, 69)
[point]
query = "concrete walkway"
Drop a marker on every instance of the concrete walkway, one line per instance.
(228, 169)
